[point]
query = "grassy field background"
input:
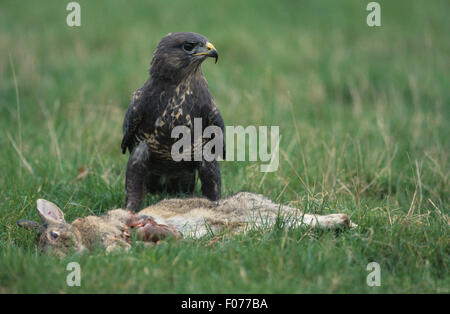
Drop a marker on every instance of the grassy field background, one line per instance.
(363, 114)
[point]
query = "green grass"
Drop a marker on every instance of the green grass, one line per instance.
(363, 114)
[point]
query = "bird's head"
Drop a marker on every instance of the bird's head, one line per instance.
(180, 54)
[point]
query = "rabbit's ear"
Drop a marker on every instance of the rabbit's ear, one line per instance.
(30, 225)
(49, 212)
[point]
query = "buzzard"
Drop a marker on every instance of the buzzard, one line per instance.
(175, 93)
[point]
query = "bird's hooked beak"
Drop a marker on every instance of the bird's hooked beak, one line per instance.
(208, 50)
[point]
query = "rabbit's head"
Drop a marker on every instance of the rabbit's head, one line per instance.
(55, 235)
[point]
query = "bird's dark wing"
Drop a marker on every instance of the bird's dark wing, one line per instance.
(214, 117)
(132, 121)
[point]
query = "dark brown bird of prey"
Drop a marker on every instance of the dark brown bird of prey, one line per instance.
(175, 93)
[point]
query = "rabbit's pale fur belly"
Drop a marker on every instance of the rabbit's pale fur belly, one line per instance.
(193, 217)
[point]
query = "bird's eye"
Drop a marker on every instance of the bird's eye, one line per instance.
(53, 235)
(188, 47)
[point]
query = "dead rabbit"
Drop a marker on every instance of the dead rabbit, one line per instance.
(176, 218)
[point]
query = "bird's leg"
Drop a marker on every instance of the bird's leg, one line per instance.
(134, 186)
(209, 174)
(135, 177)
